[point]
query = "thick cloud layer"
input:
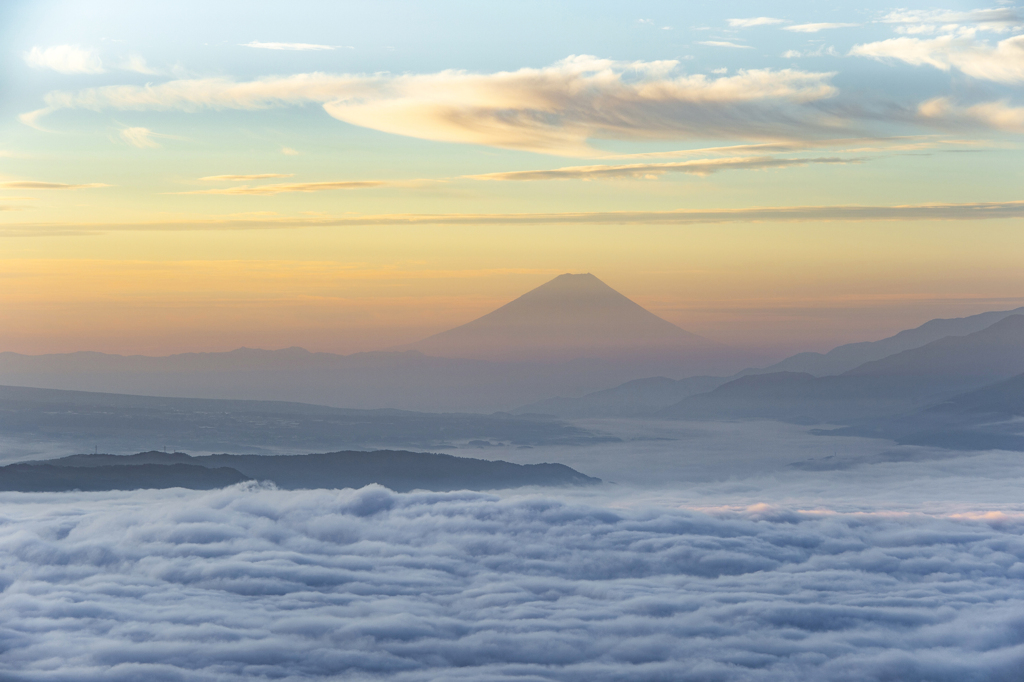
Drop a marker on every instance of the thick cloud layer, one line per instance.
(254, 583)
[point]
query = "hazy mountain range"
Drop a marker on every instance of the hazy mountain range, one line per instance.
(554, 351)
(571, 336)
(984, 358)
(76, 420)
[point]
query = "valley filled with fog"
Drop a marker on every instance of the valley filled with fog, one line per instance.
(712, 551)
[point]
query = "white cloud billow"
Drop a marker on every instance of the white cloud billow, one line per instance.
(1003, 63)
(67, 59)
(251, 583)
(555, 109)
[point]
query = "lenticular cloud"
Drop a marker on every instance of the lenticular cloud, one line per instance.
(255, 583)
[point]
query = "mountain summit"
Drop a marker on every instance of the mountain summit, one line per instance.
(572, 316)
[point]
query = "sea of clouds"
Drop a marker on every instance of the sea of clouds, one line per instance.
(256, 583)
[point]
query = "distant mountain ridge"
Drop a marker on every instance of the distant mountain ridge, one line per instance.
(570, 336)
(846, 357)
(645, 397)
(124, 423)
(907, 380)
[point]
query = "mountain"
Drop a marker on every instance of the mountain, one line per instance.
(569, 337)
(572, 316)
(644, 397)
(399, 470)
(38, 477)
(400, 380)
(846, 357)
(896, 384)
(1004, 399)
(991, 417)
(42, 420)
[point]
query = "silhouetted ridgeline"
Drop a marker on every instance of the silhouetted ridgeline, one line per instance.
(40, 477)
(399, 470)
(571, 336)
(650, 396)
(900, 383)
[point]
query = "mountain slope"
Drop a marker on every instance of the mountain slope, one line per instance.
(899, 383)
(991, 417)
(571, 316)
(73, 419)
(848, 356)
(650, 395)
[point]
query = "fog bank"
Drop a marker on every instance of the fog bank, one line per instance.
(255, 583)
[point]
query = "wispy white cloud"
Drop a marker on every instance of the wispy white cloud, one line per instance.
(243, 178)
(814, 28)
(288, 151)
(994, 115)
(139, 137)
(555, 109)
(67, 59)
(35, 184)
(266, 190)
(724, 43)
(1005, 210)
(820, 51)
(302, 47)
(137, 64)
(649, 171)
(754, 21)
(1002, 63)
(998, 19)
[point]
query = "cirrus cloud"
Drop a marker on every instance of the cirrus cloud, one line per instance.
(35, 184)
(701, 167)
(754, 21)
(264, 190)
(995, 210)
(994, 115)
(1003, 63)
(555, 109)
(301, 47)
(999, 19)
(814, 28)
(139, 137)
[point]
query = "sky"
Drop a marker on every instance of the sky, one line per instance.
(351, 176)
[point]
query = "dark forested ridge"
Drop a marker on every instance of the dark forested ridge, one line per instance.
(399, 470)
